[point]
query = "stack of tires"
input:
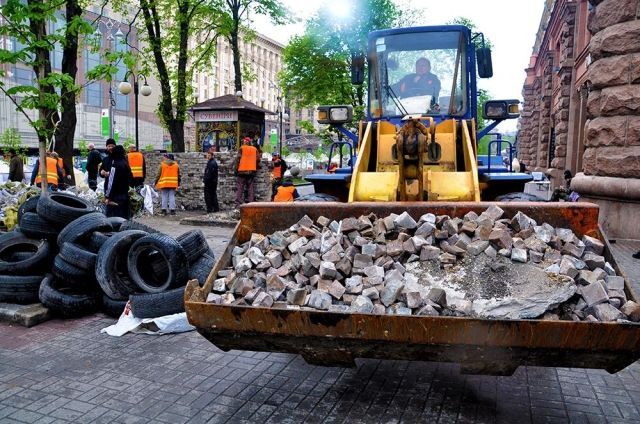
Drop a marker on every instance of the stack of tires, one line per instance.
(77, 261)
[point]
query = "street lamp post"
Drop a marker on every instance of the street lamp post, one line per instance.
(125, 88)
(109, 24)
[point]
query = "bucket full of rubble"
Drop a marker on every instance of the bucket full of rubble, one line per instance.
(490, 286)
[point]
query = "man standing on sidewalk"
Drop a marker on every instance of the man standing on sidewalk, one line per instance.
(93, 161)
(210, 180)
(138, 166)
(168, 182)
(247, 160)
(16, 166)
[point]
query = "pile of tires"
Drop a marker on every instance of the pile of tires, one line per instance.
(77, 261)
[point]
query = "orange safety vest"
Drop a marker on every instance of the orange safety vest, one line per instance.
(248, 159)
(61, 165)
(277, 170)
(168, 175)
(52, 172)
(284, 194)
(136, 162)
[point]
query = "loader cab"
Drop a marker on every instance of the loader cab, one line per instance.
(400, 84)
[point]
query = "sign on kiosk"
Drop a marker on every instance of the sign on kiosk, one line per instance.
(216, 115)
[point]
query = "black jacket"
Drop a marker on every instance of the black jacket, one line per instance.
(16, 169)
(119, 179)
(93, 161)
(211, 172)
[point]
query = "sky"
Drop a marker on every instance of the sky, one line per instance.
(511, 25)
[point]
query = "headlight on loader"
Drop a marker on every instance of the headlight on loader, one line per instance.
(335, 114)
(501, 109)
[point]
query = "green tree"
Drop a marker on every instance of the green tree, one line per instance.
(11, 139)
(234, 14)
(318, 63)
(52, 94)
(83, 148)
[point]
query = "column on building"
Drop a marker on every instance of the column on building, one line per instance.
(611, 160)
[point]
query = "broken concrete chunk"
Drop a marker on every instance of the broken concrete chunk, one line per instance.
(405, 220)
(414, 300)
(243, 264)
(390, 292)
(614, 283)
(214, 298)
(521, 222)
(327, 270)
(593, 261)
(262, 299)
(519, 255)
(501, 238)
(594, 294)
(544, 232)
(447, 258)
(428, 310)
(428, 217)
(592, 244)
(430, 253)
(437, 295)
(572, 249)
(319, 300)
(605, 312)
(336, 289)
(361, 305)
(494, 212)
(478, 246)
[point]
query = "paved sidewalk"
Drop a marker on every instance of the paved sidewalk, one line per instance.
(66, 371)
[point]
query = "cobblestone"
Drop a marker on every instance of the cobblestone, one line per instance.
(182, 378)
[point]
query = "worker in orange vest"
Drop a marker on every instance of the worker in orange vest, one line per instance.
(54, 173)
(247, 168)
(138, 166)
(168, 182)
(279, 168)
(287, 191)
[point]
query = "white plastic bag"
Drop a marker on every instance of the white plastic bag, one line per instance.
(148, 194)
(176, 323)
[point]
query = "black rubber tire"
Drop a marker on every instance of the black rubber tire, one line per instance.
(37, 259)
(194, 244)
(113, 307)
(83, 227)
(201, 268)
(111, 265)
(34, 226)
(65, 301)
(29, 205)
(16, 233)
(78, 256)
(153, 305)
(21, 289)
(317, 197)
(135, 225)
(140, 271)
(73, 275)
(116, 222)
(519, 197)
(96, 240)
(62, 208)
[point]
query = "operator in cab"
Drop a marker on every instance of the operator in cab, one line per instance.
(420, 83)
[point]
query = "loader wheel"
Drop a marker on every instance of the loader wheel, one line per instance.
(317, 197)
(65, 301)
(153, 305)
(519, 197)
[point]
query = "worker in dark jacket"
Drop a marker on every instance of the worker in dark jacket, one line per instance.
(94, 159)
(117, 184)
(106, 162)
(210, 180)
(16, 169)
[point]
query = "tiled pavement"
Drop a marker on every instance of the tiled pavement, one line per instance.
(63, 371)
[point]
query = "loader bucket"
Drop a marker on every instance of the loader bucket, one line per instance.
(481, 346)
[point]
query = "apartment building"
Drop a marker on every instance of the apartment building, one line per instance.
(96, 96)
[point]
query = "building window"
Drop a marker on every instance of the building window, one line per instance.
(24, 76)
(93, 91)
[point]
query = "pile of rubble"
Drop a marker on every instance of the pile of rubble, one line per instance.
(478, 266)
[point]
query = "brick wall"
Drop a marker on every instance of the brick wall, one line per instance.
(190, 195)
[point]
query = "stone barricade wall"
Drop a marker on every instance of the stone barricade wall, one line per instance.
(190, 195)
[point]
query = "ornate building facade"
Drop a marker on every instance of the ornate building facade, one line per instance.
(582, 106)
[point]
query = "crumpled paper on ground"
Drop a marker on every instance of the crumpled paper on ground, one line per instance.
(127, 323)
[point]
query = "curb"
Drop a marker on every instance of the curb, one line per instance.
(25, 315)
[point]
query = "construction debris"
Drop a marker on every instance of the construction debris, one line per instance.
(478, 266)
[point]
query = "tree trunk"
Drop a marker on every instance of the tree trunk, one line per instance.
(65, 133)
(235, 48)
